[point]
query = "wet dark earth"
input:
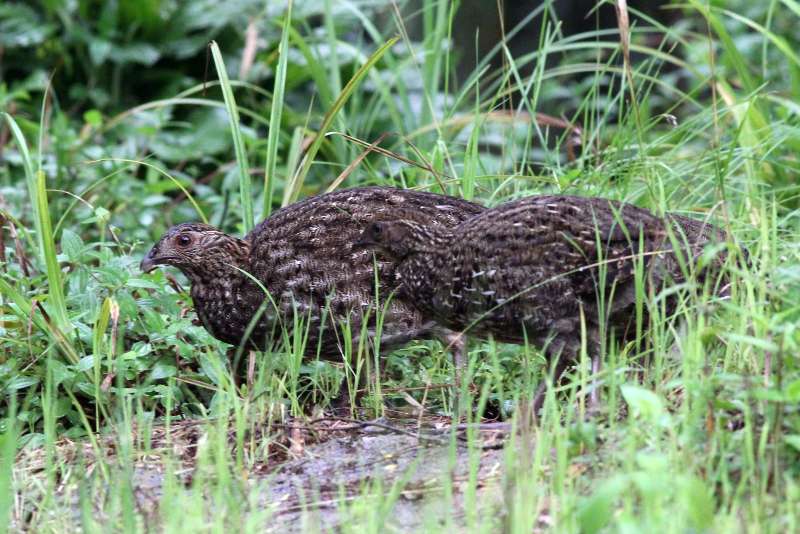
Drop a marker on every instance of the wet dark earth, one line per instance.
(415, 468)
(408, 474)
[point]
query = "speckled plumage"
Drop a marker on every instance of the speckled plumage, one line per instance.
(525, 269)
(303, 256)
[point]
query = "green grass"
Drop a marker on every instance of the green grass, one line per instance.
(121, 413)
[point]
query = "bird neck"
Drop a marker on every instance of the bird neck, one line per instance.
(224, 261)
(422, 240)
(225, 296)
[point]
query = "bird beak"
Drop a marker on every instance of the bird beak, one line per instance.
(149, 262)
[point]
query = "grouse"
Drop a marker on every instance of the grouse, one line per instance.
(528, 270)
(297, 271)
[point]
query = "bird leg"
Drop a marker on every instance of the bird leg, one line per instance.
(559, 347)
(559, 367)
(563, 350)
(593, 392)
(595, 350)
(455, 341)
(251, 370)
(347, 401)
(390, 342)
(457, 345)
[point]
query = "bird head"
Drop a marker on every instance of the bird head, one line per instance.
(197, 250)
(397, 239)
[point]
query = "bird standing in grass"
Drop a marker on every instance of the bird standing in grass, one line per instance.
(298, 267)
(533, 270)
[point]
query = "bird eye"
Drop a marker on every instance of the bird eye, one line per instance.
(184, 240)
(377, 230)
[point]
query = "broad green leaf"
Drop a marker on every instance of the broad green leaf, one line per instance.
(163, 370)
(643, 402)
(21, 382)
(793, 440)
(699, 502)
(71, 245)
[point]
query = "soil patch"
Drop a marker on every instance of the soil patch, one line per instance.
(409, 474)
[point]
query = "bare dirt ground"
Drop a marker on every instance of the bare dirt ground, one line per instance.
(311, 475)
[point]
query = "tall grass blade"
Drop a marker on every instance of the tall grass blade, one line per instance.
(330, 33)
(315, 68)
(164, 173)
(30, 174)
(24, 310)
(8, 450)
(728, 44)
(354, 82)
(276, 112)
(777, 40)
(99, 349)
(44, 232)
(292, 188)
(435, 20)
(245, 188)
(56, 301)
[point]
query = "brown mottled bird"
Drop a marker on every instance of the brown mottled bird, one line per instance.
(528, 269)
(299, 263)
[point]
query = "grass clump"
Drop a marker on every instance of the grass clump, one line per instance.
(119, 411)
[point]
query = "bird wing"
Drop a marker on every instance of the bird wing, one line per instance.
(304, 255)
(538, 259)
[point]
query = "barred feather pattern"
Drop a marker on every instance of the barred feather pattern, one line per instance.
(298, 269)
(529, 269)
